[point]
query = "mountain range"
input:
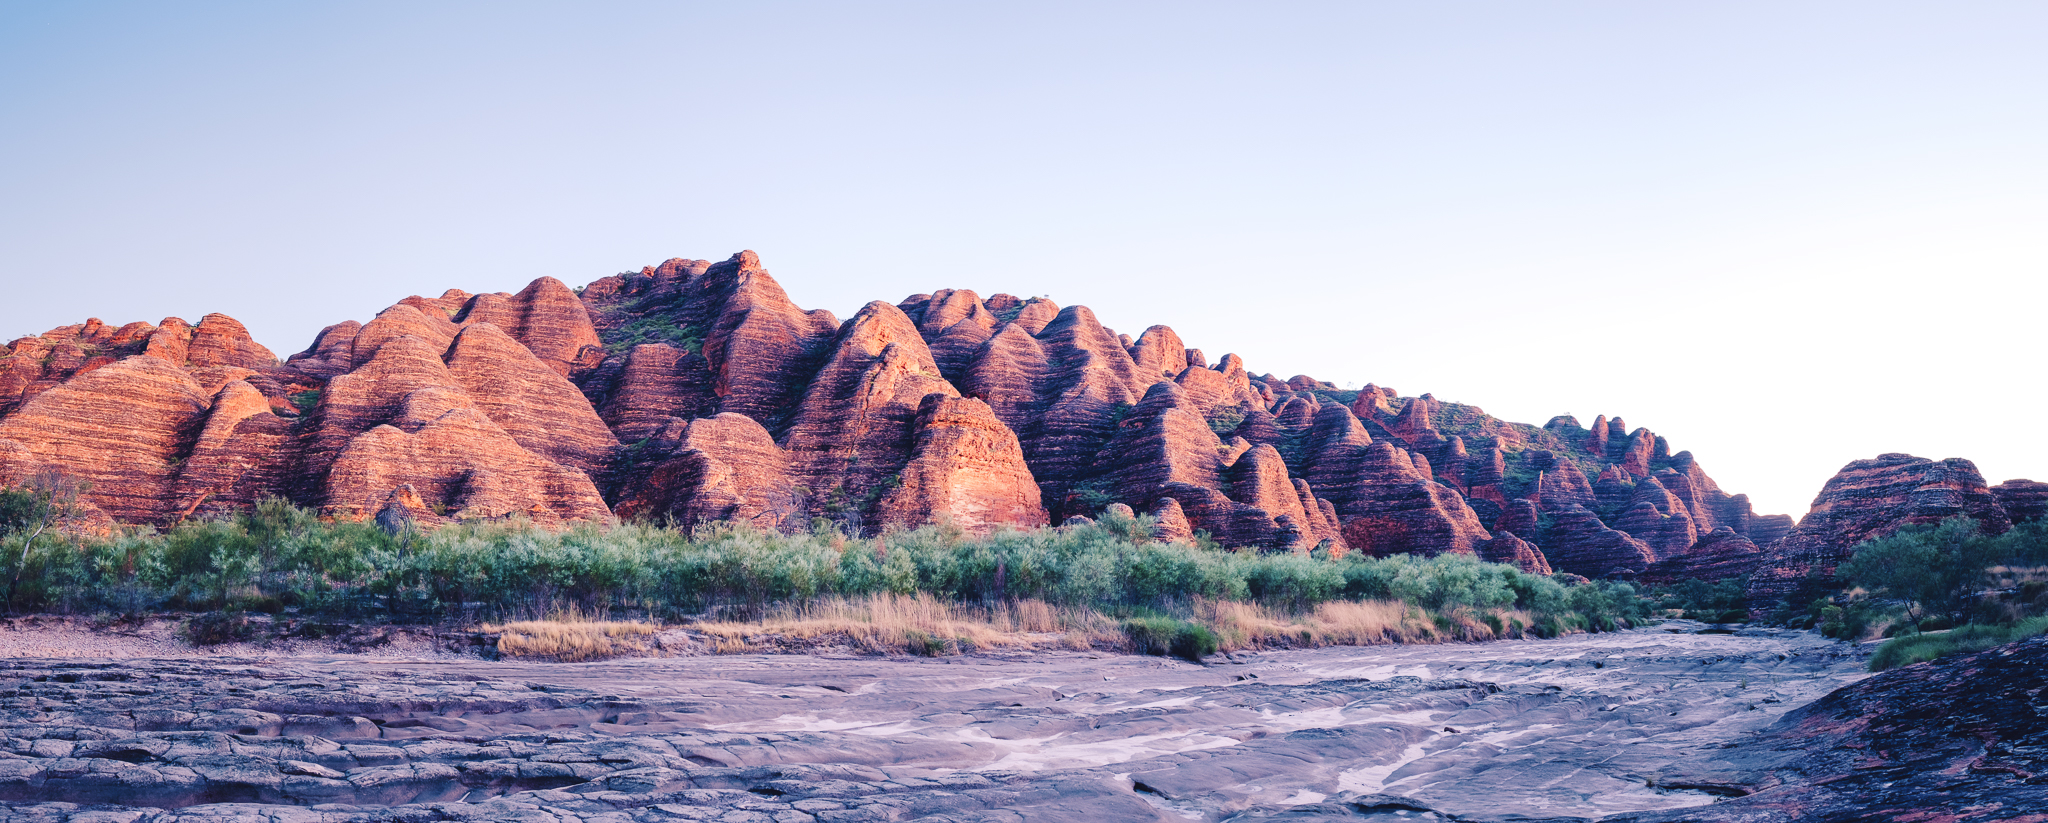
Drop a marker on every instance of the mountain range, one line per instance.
(693, 392)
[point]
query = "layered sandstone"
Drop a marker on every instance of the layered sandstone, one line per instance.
(1718, 555)
(723, 468)
(2023, 500)
(966, 469)
(1869, 499)
(700, 392)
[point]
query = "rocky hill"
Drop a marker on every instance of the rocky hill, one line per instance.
(698, 391)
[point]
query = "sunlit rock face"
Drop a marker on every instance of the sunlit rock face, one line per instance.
(623, 399)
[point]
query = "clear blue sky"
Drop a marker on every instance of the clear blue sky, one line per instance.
(1785, 235)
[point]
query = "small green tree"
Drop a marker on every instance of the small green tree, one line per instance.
(1931, 571)
(49, 500)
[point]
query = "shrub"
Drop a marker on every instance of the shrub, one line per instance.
(281, 559)
(1165, 635)
(215, 628)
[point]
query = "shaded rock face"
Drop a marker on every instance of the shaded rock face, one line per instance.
(1401, 509)
(1866, 500)
(1720, 555)
(1505, 547)
(1579, 543)
(1951, 740)
(1643, 491)
(2023, 500)
(724, 467)
(699, 391)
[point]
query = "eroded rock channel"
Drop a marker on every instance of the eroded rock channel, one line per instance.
(1581, 727)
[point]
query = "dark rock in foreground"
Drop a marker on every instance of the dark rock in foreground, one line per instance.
(1961, 739)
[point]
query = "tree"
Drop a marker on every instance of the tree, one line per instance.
(49, 500)
(1932, 570)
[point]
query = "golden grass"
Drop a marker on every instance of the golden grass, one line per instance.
(571, 639)
(925, 625)
(887, 623)
(922, 624)
(1348, 623)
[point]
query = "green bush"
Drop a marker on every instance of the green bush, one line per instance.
(1722, 601)
(278, 558)
(1156, 635)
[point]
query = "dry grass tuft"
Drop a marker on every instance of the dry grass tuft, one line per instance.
(925, 625)
(1350, 623)
(572, 640)
(892, 623)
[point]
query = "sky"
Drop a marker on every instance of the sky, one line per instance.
(1784, 235)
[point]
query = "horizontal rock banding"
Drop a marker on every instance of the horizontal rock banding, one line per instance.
(626, 398)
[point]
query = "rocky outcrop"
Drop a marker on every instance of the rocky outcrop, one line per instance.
(755, 340)
(721, 468)
(637, 394)
(1579, 543)
(2023, 500)
(854, 429)
(1505, 547)
(529, 398)
(1657, 517)
(1938, 741)
(1163, 440)
(906, 414)
(1560, 484)
(124, 427)
(32, 365)
(1400, 509)
(331, 354)
(966, 469)
(546, 317)
(243, 454)
(1170, 524)
(460, 462)
(1866, 500)
(1718, 555)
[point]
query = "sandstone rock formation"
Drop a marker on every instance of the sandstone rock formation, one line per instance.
(1866, 500)
(1719, 555)
(2023, 500)
(698, 391)
(966, 469)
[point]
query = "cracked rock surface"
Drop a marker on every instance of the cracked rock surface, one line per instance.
(1580, 727)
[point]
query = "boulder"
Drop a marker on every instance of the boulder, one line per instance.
(1505, 547)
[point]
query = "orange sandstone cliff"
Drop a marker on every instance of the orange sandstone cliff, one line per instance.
(701, 392)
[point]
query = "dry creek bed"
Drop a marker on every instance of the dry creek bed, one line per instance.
(1581, 727)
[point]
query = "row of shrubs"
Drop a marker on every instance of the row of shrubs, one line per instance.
(279, 557)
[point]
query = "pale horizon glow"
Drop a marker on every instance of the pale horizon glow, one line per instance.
(1784, 236)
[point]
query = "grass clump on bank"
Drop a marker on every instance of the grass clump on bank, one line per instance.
(572, 639)
(932, 588)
